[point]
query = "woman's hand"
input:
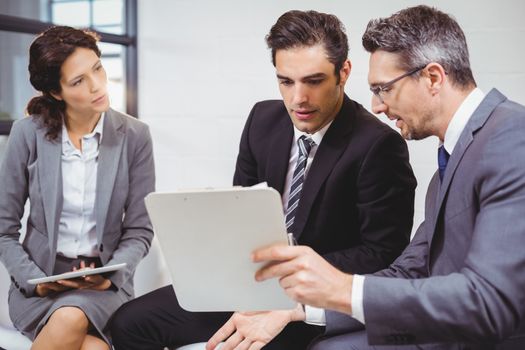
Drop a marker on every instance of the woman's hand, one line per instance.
(44, 289)
(95, 282)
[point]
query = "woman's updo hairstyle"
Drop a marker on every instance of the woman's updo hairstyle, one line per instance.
(46, 56)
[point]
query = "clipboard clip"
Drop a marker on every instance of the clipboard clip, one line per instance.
(291, 239)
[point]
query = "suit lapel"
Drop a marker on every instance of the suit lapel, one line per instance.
(50, 179)
(109, 154)
(478, 119)
(279, 156)
(333, 145)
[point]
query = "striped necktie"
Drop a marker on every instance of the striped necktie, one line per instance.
(304, 144)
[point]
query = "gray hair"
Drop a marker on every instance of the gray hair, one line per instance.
(420, 35)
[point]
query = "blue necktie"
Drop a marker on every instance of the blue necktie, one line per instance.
(443, 157)
(304, 146)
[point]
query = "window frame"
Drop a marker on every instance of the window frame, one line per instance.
(128, 41)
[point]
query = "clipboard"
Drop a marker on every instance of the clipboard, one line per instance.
(78, 273)
(207, 237)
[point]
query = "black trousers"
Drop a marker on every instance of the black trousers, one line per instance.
(156, 320)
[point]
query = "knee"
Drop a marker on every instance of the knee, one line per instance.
(70, 319)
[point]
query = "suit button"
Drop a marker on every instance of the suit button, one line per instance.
(12, 279)
(22, 290)
(16, 284)
(101, 248)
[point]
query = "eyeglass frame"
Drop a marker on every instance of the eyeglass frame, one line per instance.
(376, 90)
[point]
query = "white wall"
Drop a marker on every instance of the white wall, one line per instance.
(204, 63)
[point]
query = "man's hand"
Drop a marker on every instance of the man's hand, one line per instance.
(305, 276)
(253, 330)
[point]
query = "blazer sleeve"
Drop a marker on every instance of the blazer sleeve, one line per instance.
(137, 231)
(412, 263)
(385, 202)
(483, 300)
(14, 182)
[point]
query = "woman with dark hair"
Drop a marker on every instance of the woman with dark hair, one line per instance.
(85, 169)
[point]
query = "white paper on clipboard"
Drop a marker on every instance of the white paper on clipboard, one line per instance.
(207, 237)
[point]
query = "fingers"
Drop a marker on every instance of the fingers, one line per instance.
(53, 286)
(258, 345)
(44, 289)
(94, 279)
(275, 270)
(222, 334)
(244, 345)
(74, 283)
(283, 260)
(277, 252)
(233, 341)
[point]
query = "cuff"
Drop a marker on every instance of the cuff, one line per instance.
(357, 298)
(314, 316)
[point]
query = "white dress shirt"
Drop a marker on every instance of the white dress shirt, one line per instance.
(317, 137)
(314, 315)
(77, 227)
(454, 130)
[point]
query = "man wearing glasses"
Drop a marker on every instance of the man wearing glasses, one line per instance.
(460, 283)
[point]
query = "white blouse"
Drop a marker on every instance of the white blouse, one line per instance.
(77, 227)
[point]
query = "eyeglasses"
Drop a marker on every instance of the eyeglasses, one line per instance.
(377, 90)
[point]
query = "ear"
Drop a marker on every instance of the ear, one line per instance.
(437, 77)
(344, 72)
(56, 95)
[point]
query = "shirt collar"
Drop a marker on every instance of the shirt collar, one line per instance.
(317, 136)
(461, 118)
(99, 128)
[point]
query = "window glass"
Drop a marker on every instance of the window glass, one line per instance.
(15, 89)
(75, 14)
(103, 15)
(113, 61)
(108, 16)
(32, 9)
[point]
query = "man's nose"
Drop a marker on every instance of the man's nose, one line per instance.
(378, 106)
(300, 95)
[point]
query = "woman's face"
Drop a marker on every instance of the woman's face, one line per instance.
(83, 81)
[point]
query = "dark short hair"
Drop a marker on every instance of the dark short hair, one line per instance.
(308, 28)
(420, 35)
(47, 54)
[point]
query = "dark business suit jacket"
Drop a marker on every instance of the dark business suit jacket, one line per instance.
(356, 207)
(462, 278)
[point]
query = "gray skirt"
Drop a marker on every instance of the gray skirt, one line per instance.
(32, 313)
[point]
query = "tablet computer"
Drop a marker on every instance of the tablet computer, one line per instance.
(207, 237)
(78, 273)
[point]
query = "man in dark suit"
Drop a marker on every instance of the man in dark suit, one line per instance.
(460, 283)
(344, 177)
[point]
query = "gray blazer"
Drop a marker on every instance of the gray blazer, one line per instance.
(462, 278)
(32, 169)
